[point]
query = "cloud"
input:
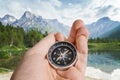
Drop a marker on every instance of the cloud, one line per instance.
(110, 8)
(55, 3)
(45, 8)
(13, 7)
(116, 11)
(94, 10)
(66, 11)
(103, 10)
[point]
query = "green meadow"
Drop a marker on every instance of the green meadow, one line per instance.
(10, 57)
(104, 46)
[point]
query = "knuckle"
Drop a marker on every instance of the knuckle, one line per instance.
(83, 31)
(84, 51)
(77, 24)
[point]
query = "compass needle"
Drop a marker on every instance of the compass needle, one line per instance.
(62, 55)
(65, 52)
(58, 58)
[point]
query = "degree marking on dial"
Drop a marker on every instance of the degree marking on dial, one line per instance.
(65, 62)
(69, 58)
(54, 58)
(58, 62)
(54, 53)
(65, 49)
(59, 49)
(69, 53)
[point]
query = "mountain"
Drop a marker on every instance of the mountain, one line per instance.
(60, 27)
(8, 19)
(113, 34)
(103, 28)
(29, 20)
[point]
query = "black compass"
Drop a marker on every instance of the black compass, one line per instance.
(62, 55)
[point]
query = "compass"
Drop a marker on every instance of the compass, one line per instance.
(62, 55)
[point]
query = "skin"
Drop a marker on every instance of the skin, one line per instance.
(35, 66)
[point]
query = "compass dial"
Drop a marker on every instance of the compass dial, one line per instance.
(62, 55)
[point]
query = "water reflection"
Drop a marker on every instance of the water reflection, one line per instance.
(104, 60)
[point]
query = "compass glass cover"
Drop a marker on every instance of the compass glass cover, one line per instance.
(62, 54)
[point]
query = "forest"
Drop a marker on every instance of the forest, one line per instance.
(16, 36)
(15, 41)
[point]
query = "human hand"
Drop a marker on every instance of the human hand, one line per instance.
(34, 65)
(79, 37)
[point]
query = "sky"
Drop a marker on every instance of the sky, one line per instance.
(65, 11)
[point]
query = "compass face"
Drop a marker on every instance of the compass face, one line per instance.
(62, 55)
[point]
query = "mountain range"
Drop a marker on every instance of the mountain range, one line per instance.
(29, 20)
(102, 28)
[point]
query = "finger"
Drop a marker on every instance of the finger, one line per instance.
(81, 39)
(82, 47)
(59, 37)
(42, 46)
(72, 74)
(76, 25)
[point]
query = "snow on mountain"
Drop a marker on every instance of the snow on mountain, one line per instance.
(29, 20)
(102, 27)
(8, 19)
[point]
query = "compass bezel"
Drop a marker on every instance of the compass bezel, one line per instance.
(59, 44)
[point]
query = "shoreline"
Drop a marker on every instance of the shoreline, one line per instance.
(7, 75)
(91, 74)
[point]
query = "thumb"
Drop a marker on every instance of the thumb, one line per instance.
(72, 74)
(43, 46)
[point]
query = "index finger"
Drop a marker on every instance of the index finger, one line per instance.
(82, 47)
(79, 37)
(76, 25)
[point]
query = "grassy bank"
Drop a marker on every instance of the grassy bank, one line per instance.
(104, 46)
(4, 70)
(10, 57)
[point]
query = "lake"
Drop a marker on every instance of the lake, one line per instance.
(104, 65)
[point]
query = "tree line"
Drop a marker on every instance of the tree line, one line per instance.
(103, 40)
(17, 37)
